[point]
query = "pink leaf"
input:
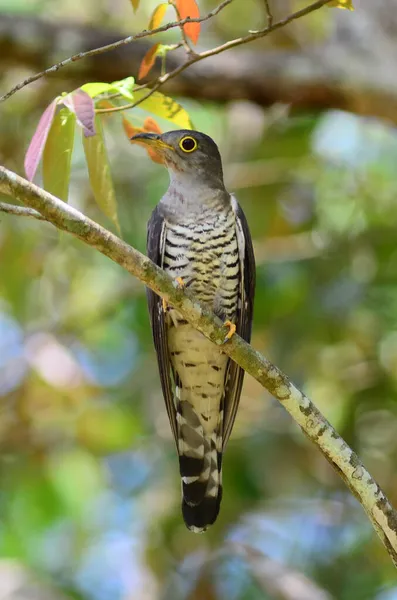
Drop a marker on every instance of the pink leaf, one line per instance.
(36, 146)
(82, 105)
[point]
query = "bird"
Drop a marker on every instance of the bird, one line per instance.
(199, 235)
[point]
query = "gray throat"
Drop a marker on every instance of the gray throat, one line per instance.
(186, 195)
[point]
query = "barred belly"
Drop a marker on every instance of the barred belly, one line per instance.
(204, 253)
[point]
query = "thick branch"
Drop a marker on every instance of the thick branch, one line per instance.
(303, 411)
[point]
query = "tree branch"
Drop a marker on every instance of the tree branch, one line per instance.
(113, 46)
(342, 73)
(191, 58)
(306, 415)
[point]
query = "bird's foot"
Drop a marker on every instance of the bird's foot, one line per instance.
(165, 305)
(231, 332)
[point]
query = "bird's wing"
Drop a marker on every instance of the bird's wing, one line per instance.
(235, 374)
(155, 251)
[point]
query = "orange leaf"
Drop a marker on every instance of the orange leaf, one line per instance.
(135, 4)
(131, 130)
(154, 156)
(158, 15)
(148, 61)
(150, 124)
(189, 8)
(105, 104)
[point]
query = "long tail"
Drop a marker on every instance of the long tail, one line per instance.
(200, 462)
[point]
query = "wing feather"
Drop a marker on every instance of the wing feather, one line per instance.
(155, 251)
(235, 374)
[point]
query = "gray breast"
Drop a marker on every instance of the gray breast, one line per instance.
(203, 251)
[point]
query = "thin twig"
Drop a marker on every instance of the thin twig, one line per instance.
(20, 211)
(131, 105)
(253, 35)
(186, 44)
(113, 46)
(269, 15)
(346, 463)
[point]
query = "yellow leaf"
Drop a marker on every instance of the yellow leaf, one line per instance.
(346, 4)
(164, 107)
(135, 4)
(158, 15)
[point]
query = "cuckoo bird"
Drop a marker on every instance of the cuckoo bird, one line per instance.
(199, 235)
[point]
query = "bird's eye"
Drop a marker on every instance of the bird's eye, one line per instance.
(188, 144)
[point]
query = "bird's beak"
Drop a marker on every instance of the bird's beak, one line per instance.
(151, 139)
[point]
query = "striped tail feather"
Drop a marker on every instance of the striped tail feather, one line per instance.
(200, 465)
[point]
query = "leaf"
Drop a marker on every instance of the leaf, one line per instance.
(58, 154)
(164, 107)
(99, 173)
(125, 87)
(148, 61)
(135, 4)
(189, 8)
(96, 88)
(149, 125)
(158, 15)
(346, 4)
(37, 143)
(103, 103)
(130, 129)
(82, 105)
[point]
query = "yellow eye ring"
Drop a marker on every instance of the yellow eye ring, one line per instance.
(188, 144)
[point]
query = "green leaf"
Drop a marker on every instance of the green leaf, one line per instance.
(94, 89)
(125, 87)
(164, 107)
(58, 154)
(99, 173)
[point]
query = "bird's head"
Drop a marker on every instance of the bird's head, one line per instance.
(186, 154)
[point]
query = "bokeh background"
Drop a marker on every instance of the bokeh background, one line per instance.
(89, 485)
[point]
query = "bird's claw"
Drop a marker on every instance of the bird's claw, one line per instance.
(231, 332)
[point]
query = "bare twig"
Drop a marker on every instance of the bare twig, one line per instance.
(269, 15)
(303, 411)
(20, 211)
(253, 35)
(113, 46)
(131, 105)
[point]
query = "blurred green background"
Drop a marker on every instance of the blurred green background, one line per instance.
(89, 483)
